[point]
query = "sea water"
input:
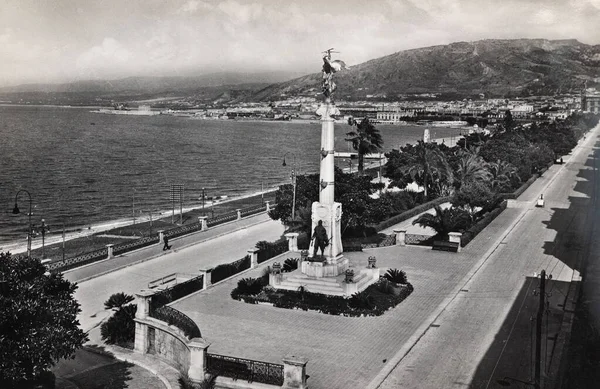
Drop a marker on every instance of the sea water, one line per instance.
(84, 169)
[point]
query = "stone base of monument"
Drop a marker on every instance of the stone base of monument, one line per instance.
(334, 286)
(332, 268)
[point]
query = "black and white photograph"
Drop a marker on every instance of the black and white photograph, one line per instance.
(263, 194)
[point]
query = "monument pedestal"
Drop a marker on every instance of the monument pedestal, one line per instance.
(334, 262)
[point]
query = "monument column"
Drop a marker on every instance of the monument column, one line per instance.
(326, 209)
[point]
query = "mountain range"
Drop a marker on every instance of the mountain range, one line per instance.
(519, 67)
(495, 68)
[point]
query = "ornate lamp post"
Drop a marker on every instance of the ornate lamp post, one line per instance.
(43, 229)
(16, 211)
(293, 176)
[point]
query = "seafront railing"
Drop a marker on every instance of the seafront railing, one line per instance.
(122, 248)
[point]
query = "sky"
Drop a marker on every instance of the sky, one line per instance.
(51, 41)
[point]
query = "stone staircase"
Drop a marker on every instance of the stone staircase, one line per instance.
(333, 286)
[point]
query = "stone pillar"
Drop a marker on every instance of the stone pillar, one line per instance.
(197, 370)
(161, 236)
(268, 205)
(206, 277)
(141, 341)
(326, 210)
(109, 248)
(454, 237)
(253, 252)
(400, 237)
(239, 214)
(294, 372)
(292, 238)
(202, 221)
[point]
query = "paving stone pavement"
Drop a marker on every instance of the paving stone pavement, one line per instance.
(343, 352)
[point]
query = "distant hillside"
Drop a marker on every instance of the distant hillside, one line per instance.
(154, 84)
(518, 67)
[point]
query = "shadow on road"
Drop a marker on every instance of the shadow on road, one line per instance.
(510, 360)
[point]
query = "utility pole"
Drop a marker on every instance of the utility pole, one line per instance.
(538, 330)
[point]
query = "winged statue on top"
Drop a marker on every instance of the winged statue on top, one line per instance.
(329, 68)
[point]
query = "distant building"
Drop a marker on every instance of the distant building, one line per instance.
(590, 101)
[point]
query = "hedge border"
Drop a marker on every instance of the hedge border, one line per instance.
(410, 213)
(476, 228)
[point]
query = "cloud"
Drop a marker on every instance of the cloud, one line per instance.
(110, 56)
(240, 14)
(193, 6)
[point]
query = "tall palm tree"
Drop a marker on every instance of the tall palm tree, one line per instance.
(366, 139)
(429, 164)
(501, 174)
(472, 167)
(444, 220)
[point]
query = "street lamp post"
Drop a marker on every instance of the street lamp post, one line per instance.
(43, 229)
(16, 212)
(293, 183)
(203, 197)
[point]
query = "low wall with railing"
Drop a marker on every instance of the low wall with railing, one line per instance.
(187, 351)
(121, 248)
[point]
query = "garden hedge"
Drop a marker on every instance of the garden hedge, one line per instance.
(476, 228)
(410, 213)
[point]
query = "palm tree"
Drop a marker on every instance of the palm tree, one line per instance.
(472, 167)
(429, 164)
(366, 139)
(444, 220)
(501, 174)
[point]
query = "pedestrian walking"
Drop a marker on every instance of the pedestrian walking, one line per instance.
(166, 246)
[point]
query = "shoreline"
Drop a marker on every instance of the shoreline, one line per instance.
(18, 247)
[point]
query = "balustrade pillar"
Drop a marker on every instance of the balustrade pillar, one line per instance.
(400, 237)
(294, 372)
(141, 341)
(253, 252)
(206, 277)
(454, 237)
(203, 223)
(292, 238)
(109, 248)
(198, 349)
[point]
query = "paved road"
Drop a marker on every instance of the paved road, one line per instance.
(485, 333)
(92, 293)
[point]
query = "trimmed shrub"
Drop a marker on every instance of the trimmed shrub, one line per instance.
(227, 270)
(410, 213)
(396, 276)
(118, 300)
(373, 301)
(290, 264)
(120, 328)
(361, 301)
(268, 250)
(250, 286)
(385, 286)
(475, 229)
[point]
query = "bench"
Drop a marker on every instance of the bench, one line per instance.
(442, 245)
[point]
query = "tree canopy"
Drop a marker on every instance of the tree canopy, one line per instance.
(366, 139)
(38, 320)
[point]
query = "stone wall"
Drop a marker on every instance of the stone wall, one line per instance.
(168, 343)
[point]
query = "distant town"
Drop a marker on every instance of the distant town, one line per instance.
(481, 112)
